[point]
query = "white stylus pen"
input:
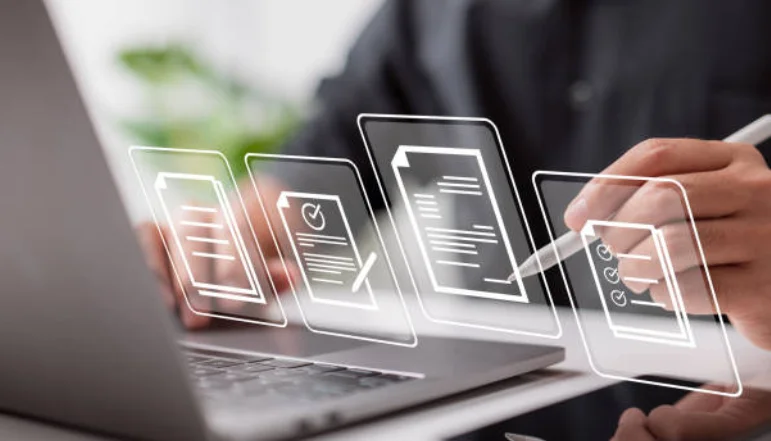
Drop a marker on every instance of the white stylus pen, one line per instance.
(571, 243)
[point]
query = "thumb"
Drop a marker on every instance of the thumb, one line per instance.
(671, 423)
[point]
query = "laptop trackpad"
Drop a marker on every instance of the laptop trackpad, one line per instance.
(291, 341)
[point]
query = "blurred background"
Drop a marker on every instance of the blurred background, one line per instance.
(236, 75)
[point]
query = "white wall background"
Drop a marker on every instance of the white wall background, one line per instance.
(287, 45)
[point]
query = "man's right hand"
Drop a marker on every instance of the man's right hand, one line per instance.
(173, 289)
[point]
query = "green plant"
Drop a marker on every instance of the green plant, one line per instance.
(190, 104)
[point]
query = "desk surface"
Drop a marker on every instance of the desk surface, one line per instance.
(452, 416)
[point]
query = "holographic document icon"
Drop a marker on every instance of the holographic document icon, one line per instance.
(468, 248)
(325, 249)
(623, 308)
(207, 232)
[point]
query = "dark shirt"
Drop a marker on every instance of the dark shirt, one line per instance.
(571, 84)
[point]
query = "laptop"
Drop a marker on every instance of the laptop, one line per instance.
(87, 341)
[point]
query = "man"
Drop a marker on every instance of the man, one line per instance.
(580, 85)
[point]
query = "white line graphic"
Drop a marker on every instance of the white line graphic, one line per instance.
(641, 280)
(214, 255)
(457, 251)
(632, 256)
(189, 223)
(365, 269)
(646, 303)
(199, 209)
(332, 281)
(207, 240)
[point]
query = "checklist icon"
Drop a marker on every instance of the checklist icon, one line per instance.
(623, 309)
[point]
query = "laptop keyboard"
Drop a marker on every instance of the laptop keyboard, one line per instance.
(280, 379)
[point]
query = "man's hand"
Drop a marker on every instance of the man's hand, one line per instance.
(698, 417)
(210, 241)
(632, 427)
(729, 189)
(706, 417)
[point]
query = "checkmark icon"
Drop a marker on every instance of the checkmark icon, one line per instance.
(618, 297)
(603, 251)
(611, 275)
(313, 216)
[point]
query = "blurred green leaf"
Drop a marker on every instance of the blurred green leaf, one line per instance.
(228, 124)
(161, 65)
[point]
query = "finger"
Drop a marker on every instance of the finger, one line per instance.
(723, 242)
(641, 267)
(669, 156)
(660, 203)
(696, 294)
(711, 194)
(671, 423)
(696, 401)
(743, 291)
(633, 416)
(651, 158)
(189, 260)
(151, 241)
(716, 193)
(708, 194)
(632, 427)
(653, 204)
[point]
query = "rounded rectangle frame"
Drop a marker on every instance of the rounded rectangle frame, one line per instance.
(537, 176)
(267, 300)
(412, 340)
(489, 125)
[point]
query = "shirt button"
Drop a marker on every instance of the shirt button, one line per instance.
(580, 94)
